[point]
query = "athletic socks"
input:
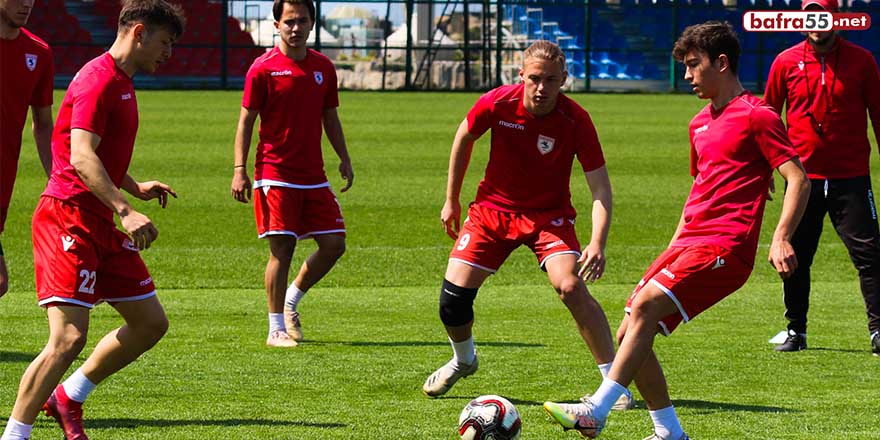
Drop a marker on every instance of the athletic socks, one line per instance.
(464, 351)
(666, 424)
(605, 396)
(605, 369)
(78, 386)
(293, 296)
(276, 322)
(16, 430)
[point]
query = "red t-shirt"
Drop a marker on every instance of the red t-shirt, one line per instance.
(291, 97)
(531, 157)
(100, 99)
(26, 75)
(734, 151)
(852, 86)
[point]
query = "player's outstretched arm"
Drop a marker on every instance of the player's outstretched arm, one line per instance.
(593, 258)
(333, 128)
(93, 174)
(241, 183)
(148, 190)
(459, 158)
(797, 191)
(42, 127)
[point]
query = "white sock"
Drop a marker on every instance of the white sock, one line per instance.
(605, 369)
(16, 430)
(78, 386)
(464, 351)
(276, 322)
(293, 296)
(666, 424)
(605, 396)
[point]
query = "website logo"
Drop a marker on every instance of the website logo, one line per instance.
(805, 21)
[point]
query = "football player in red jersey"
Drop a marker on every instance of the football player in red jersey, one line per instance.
(293, 90)
(524, 199)
(26, 76)
(80, 257)
(737, 141)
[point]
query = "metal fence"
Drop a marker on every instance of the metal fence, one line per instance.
(436, 45)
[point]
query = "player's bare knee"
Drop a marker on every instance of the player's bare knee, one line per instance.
(572, 292)
(332, 249)
(646, 308)
(67, 346)
(151, 330)
(4, 287)
(157, 327)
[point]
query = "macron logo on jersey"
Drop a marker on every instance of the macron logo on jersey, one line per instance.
(701, 129)
(66, 242)
(281, 73)
(512, 125)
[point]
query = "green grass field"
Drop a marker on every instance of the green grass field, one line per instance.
(371, 326)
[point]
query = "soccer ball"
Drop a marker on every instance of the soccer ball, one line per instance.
(489, 418)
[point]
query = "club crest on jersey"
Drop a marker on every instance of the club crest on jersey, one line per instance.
(319, 78)
(30, 60)
(545, 144)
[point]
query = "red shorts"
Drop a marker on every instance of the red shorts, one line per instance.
(80, 258)
(301, 213)
(488, 236)
(695, 278)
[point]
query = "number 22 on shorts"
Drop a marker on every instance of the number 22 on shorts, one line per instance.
(88, 283)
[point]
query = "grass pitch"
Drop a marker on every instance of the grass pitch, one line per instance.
(371, 326)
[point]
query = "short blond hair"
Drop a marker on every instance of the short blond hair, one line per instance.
(545, 50)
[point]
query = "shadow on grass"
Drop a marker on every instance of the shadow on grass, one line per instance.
(513, 400)
(726, 406)
(14, 356)
(161, 423)
(838, 350)
(421, 344)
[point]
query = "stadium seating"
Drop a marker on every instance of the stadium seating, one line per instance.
(196, 54)
(629, 39)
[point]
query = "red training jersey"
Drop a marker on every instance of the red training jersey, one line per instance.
(734, 151)
(101, 100)
(291, 97)
(26, 75)
(531, 157)
(836, 89)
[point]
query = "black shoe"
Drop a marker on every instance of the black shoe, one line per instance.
(875, 343)
(798, 342)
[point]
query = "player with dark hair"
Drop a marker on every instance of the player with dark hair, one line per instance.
(80, 257)
(524, 199)
(828, 86)
(736, 142)
(293, 90)
(26, 76)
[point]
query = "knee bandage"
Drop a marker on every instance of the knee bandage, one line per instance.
(456, 304)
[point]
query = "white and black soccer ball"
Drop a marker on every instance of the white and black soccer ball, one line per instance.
(489, 418)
